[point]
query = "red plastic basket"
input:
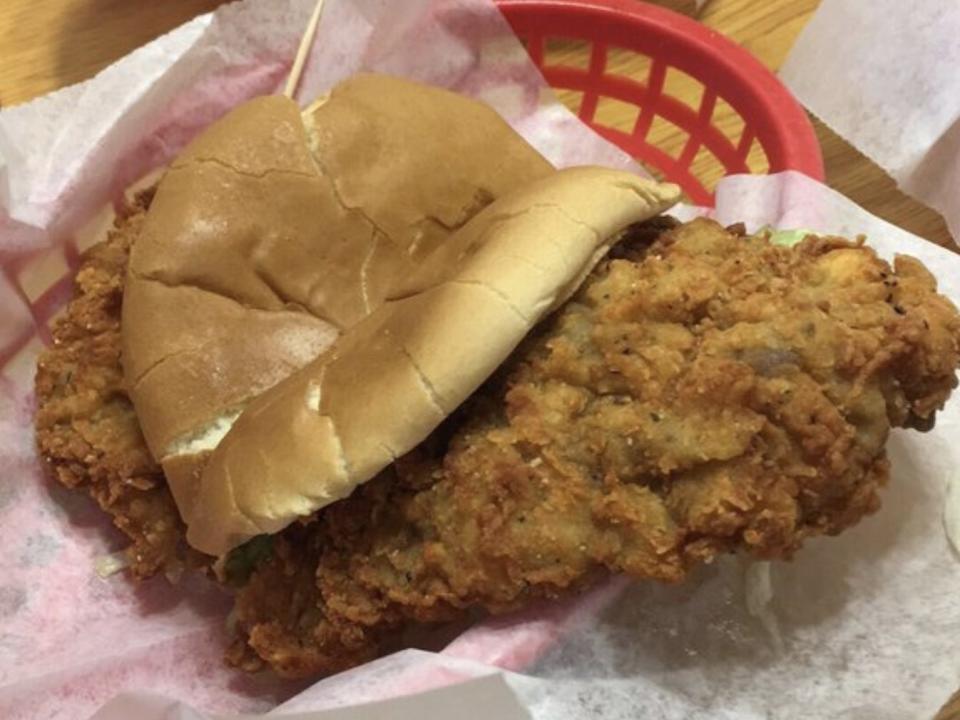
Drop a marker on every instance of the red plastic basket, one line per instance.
(770, 114)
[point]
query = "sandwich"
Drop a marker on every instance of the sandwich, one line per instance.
(378, 365)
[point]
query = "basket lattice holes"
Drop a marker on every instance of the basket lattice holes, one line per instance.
(670, 122)
(43, 281)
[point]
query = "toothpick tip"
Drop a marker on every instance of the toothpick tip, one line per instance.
(306, 42)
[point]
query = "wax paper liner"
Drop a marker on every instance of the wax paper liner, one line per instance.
(884, 75)
(70, 640)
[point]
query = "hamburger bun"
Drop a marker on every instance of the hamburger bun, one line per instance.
(275, 230)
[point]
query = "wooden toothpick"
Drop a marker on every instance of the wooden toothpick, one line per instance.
(303, 51)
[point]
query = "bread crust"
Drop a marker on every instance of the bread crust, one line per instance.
(276, 229)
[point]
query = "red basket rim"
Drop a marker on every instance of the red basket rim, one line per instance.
(772, 105)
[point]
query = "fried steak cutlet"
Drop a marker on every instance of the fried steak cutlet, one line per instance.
(704, 392)
(86, 427)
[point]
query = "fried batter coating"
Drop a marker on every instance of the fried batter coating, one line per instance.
(87, 430)
(702, 394)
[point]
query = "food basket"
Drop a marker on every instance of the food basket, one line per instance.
(681, 98)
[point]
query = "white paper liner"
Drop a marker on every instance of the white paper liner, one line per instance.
(884, 75)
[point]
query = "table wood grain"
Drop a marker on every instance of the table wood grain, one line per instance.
(47, 44)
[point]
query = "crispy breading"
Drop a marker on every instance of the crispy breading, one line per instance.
(707, 393)
(87, 430)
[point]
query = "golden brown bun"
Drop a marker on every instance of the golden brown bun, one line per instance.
(252, 258)
(392, 378)
(471, 157)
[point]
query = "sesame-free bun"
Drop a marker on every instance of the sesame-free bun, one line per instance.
(276, 230)
(442, 328)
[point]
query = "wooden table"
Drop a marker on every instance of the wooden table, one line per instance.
(46, 44)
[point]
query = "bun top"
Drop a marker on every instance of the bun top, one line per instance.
(392, 377)
(274, 231)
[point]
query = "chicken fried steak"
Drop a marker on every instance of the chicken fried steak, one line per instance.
(704, 393)
(87, 430)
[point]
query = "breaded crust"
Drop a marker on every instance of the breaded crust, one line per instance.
(708, 393)
(87, 431)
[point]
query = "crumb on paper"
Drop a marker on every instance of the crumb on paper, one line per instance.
(758, 589)
(951, 512)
